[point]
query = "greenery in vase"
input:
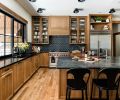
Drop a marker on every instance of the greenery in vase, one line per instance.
(23, 47)
(98, 18)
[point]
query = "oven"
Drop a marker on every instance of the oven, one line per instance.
(53, 57)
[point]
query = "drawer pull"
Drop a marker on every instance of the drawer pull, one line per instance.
(7, 74)
(7, 69)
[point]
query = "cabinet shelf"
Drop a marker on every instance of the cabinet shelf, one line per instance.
(98, 31)
(99, 22)
(79, 43)
(76, 36)
(40, 30)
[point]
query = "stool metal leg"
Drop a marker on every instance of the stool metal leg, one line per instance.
(82, 95)
(107, 94)
(86, 94)
(91, 92)
(117, 96)
(100, 93)
(69, 92)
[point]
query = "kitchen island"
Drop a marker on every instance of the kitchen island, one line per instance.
(65, 63)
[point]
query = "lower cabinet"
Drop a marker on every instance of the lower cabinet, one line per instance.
(18, 75)
(36, 59)
(12, 77)
(44, 59)
(27, 68)
(6, 83)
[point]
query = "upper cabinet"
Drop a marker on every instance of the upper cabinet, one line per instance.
(73, 30)
(40, 30)
(35, 30)
(78, 30)
(59, 25)
(44, 30)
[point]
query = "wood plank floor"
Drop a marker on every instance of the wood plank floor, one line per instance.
(42, 86)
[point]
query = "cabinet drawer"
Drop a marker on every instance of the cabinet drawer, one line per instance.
(5, 70)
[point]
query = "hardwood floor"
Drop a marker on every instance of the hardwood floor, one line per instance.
(42, 86)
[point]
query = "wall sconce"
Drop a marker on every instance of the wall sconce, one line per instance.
(40, 10)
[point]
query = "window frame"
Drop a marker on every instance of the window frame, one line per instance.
(24, 38)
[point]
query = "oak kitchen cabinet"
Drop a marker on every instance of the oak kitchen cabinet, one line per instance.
(6, 83)
(44, 59)
(12, 77)
(18, 75)
(40, 30)
(59, 25)
(27, 68)
(78, 30)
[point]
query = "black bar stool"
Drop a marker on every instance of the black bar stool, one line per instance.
(77, 83)
(111, 82)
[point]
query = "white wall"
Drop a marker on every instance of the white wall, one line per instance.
(14, 6)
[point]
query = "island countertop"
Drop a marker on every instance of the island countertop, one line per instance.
(67, 63)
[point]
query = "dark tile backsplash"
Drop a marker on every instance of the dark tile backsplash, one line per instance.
(60, 44)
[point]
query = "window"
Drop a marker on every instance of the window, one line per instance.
(2, 34)
(11, 33)
(8, 35)
(18, 33)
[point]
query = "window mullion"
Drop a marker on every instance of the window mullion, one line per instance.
(12, 35)
(4, 34)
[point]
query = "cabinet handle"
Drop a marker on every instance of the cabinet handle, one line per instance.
(7, 69)
(19, 62)
(7, 74)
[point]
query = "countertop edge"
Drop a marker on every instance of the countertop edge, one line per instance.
(20, 59)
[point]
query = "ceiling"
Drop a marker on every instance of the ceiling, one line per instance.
(66, 7)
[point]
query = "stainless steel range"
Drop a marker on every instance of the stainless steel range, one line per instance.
(53, 57)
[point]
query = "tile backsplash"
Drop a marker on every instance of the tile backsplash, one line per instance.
(60, 44)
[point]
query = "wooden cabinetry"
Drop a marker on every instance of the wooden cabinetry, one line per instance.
(100, 30)
(59, 25)
(82, 32)
(27, 68)
(40, 30)
(78, 30)
(6, 83)
(100, 23)
(14, 76)
(73, 30)
(44, 59)
(36, 30)
(39, 60)
(18, 75)
(36, 60)
(44, 30)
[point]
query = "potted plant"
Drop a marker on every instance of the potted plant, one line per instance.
(22, 48)
(98, 19)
